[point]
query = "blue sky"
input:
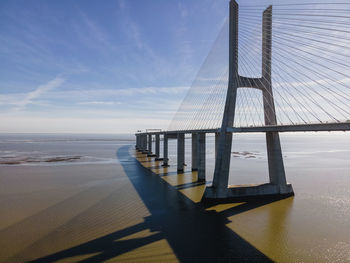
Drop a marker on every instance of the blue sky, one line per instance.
(106, 66)
(117, 66)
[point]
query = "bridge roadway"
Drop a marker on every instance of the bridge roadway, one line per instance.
(314, 127)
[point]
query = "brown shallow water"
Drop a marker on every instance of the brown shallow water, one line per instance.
(134, 210)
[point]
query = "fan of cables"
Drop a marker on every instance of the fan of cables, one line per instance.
(310, 69)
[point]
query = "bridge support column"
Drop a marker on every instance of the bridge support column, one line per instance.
(194, 151)
(165, 150)
(180, 152)
(217, 135)
(150, 154)
(274, 152)
(275, 161)
(140, 142)
(223, 157)
(137, 142)
(145, 147)
(149, 148)
(201, 156)
(277, 185)
(144, 143)
(158, 148)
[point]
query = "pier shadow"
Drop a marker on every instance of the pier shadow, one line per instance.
(194, 233)
(189, 185)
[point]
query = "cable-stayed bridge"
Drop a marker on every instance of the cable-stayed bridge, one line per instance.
(281, 68)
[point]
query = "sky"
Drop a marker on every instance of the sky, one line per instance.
(118, 66)
(111, 66)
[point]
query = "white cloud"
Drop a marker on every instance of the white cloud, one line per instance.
(132, 29)
(22, 100)
(183, 10)
(153, 90)
(102, 94)
(99, 103)
(95, 96)
(30, 123)
(91, 111)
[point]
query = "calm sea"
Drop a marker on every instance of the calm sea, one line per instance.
(315, 224)
(60, 149)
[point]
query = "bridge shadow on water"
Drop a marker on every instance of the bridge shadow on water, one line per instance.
(194, 233)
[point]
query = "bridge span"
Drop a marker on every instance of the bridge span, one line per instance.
(297, 88)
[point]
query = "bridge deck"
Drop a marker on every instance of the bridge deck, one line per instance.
(339, 126)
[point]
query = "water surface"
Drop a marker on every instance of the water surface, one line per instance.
(73, 197)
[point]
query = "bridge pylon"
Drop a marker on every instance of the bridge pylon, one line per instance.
(278, 184)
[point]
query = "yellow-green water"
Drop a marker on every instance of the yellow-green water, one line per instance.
(288, 230)
(133, 210)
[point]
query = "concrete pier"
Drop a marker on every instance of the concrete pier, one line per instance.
(150, 154)
(194, 151)
(140, 142)
(145, 147)
(275, 159)
(144, 144)
(274, 151)
(158, 148)
(180, 151)
(157, 145)
(165, 151)
(149, 145)
(217, 136)
(201, 156)
(278, 184)
(137, 142)
(222, 162)
(259, 190)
